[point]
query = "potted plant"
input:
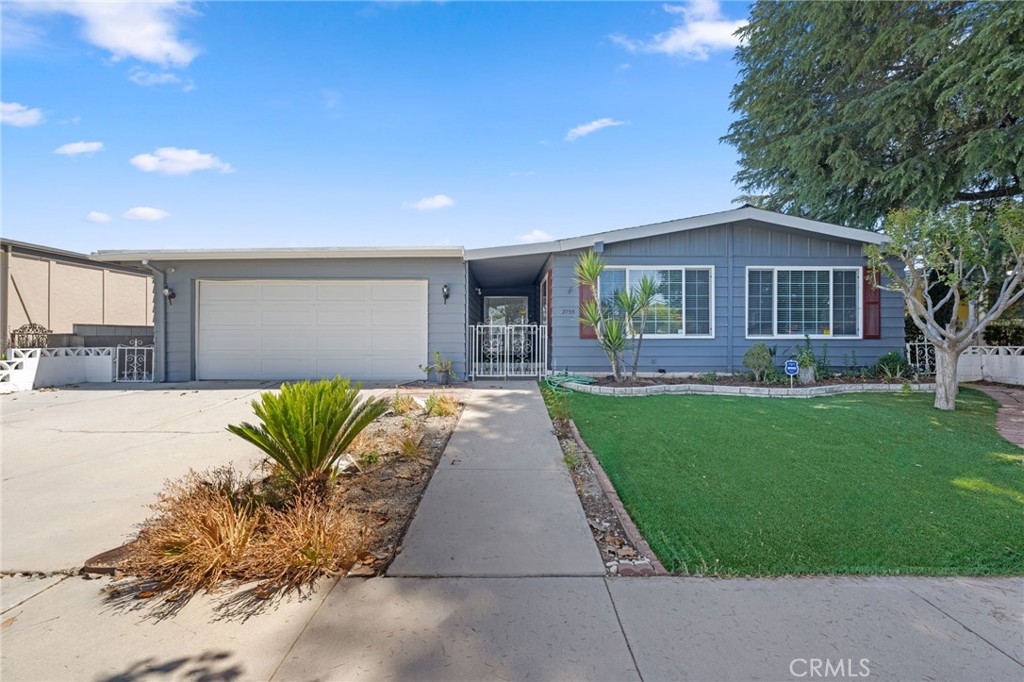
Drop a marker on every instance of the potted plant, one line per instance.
(808, 363)
(441, 367)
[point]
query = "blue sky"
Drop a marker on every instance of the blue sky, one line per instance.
(226, 124)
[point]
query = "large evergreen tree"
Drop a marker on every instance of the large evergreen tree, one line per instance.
(850, 110)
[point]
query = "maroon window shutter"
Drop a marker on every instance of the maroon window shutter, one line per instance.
(872, 305)
(586, 294)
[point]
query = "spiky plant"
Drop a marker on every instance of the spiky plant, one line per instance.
(308, 425)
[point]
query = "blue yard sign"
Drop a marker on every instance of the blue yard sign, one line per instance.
(792, 368)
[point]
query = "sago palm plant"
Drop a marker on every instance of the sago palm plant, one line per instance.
(308, 425)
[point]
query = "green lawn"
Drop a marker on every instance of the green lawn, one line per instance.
(857, 484)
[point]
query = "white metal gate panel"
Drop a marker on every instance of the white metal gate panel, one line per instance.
(502, 351)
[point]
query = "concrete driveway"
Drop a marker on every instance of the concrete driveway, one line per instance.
(80, 465)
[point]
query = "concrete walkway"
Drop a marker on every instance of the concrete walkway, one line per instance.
(1010, 417)
(501, 503)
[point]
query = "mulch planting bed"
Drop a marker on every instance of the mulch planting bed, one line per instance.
(620, 554)
(728, 380)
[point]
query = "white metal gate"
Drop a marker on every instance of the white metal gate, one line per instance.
(134, 362)
(507, 350)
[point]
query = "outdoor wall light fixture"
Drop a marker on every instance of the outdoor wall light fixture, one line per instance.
(169, 295)
(445, 293)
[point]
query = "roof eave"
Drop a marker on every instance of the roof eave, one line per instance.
(278, 254)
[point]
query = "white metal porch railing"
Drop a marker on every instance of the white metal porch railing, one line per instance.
(921, 356)
(503, 351)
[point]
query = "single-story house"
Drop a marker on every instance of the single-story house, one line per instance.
(726, 281)
(64, 291)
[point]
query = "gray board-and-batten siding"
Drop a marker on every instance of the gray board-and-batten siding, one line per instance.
(730, 249)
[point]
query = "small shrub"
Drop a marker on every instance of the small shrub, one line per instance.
(299, 544)
(403, 403)
(411, 447)
(408, 423)
(442, 405)
(892, 366)
(198, 538)
(309, 425)
(368, 459)
(759, 359)
(709, 377)
(571, 460)
(213, 529)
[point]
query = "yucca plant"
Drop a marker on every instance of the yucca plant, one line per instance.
(308, 425)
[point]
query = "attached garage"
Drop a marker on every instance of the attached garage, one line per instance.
(267, 329)
(364, 313)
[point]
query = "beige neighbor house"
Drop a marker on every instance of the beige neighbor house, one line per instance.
(71, 294)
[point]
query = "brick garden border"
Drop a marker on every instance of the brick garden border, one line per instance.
(628, 527)
(752, 391)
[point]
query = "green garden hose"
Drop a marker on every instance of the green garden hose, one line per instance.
(556, 382)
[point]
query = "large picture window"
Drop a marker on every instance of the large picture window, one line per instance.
(817, 302)
(683, 306)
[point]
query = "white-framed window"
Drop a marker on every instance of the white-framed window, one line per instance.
(820, 302)
(684, 305)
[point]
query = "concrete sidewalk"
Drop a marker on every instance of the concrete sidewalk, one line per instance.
(501, 503)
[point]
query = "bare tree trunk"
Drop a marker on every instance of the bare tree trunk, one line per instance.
(946, 384)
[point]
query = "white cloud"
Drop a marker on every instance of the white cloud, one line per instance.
(144, 213)
(702, 29)
(97, 217)
(147, 31)
(433, 203)
(14, 114)
(592, 127)
(140, 76)
(174, 161)
(76, 148)
(534, 237)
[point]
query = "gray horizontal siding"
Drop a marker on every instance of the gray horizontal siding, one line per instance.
(730, 249)
(446, 323)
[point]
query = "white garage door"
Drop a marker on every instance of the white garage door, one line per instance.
(311, 329)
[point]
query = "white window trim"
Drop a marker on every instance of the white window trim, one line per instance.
(775, 301)
(681, 268)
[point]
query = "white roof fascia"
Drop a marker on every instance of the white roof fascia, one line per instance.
(683, 224)
(279, 254)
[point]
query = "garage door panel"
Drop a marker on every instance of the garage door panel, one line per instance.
(343, 316)
(228, 341)
(343, 292)
(341, 365)
(399, 341)
(229, 366)
(224, 291)
(288, 366)
(396, 291)
(395, 368)
(350, 341)
(280, 341)
(298, 330)
(288, 317)
(225, 316)
(403, 319)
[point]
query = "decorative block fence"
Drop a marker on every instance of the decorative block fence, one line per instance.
(29, 368)
(1004, 364)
